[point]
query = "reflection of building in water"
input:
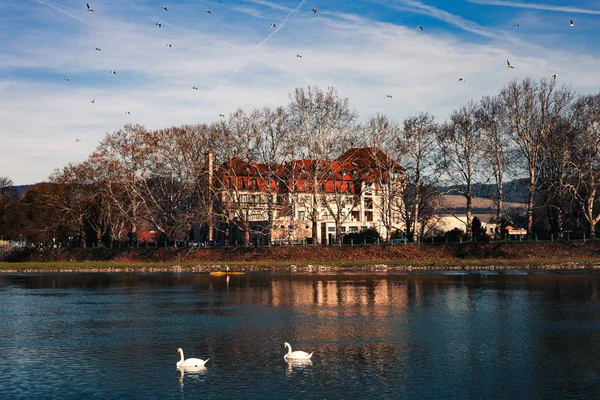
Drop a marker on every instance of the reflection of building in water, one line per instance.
(335, 291)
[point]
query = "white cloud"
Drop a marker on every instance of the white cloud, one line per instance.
(536, 6)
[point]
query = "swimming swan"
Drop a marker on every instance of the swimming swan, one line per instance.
(190, 362)
(295, 355)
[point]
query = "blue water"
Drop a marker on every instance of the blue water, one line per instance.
(383, 336)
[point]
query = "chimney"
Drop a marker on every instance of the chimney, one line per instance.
(211, 212)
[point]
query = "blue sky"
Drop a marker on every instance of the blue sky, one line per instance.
(364, 49)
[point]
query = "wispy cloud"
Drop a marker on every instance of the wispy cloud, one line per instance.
(281, 24)
(66, 11)
(262, 42)
(442, 15)
(250, 11)
(536, 6)
(269, 4)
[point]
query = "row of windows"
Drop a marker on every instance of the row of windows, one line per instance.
(355, 216)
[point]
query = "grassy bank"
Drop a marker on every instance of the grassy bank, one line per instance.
(500, 255)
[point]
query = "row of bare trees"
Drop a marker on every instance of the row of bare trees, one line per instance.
(137, 179)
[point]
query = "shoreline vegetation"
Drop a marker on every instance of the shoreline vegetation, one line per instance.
(440, 257)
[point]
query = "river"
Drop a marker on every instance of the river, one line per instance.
(471, 335)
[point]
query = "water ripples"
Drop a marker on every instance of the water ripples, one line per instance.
(373, 336)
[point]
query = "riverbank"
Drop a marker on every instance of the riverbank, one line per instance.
(424, 257)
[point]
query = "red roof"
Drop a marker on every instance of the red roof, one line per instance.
(357, 164)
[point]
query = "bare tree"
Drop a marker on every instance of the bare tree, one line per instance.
(121, 160)
(323, 122)
(533, 110)
(492, 120)
(273, 146)
(241, 194)
(7, 202)
(586, 122)
(153, 176)
(558, 181)
(463, 153)
(382, 141)
(419, 149)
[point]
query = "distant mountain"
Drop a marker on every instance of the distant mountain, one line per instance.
(515, 191)
(22, 188)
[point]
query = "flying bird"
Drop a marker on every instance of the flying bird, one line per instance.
(158, 24)
(77, 140)
(194, 87)
(462, 78)
(508, 64)
(272, 25)
(169, 45)
(89, 8)
(516, 25)
(207, 11)
(93, 101)
(299, 55)
(165, 8)
(113, 72)
(314, 10)
(127, 112)
(222, 115)
(571, 23)
(420, 27)
(98, 49)
(66, 79)
(554, 76)
(389, 95)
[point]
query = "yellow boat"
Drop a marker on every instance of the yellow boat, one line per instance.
(223, 273)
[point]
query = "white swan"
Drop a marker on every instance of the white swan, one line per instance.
(295, 355)
(190, 362)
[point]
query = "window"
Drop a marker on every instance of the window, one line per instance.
(301, 215)
(343, 229)
(307, 199)
(369, 203)
(356, 215)
(369, 216)
(354, 229)
(244, 198)
(331, 229)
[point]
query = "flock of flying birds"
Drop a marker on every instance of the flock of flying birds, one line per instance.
(508, 64)
(314, 11)
(159, 24)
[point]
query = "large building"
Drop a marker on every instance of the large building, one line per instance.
(306, 200)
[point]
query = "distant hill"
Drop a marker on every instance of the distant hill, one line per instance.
(22, 188)
(515, 191)
(458, 205)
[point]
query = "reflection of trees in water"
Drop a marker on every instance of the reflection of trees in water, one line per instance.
(358, 289)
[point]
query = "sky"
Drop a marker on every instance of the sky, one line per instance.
(366, 50)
